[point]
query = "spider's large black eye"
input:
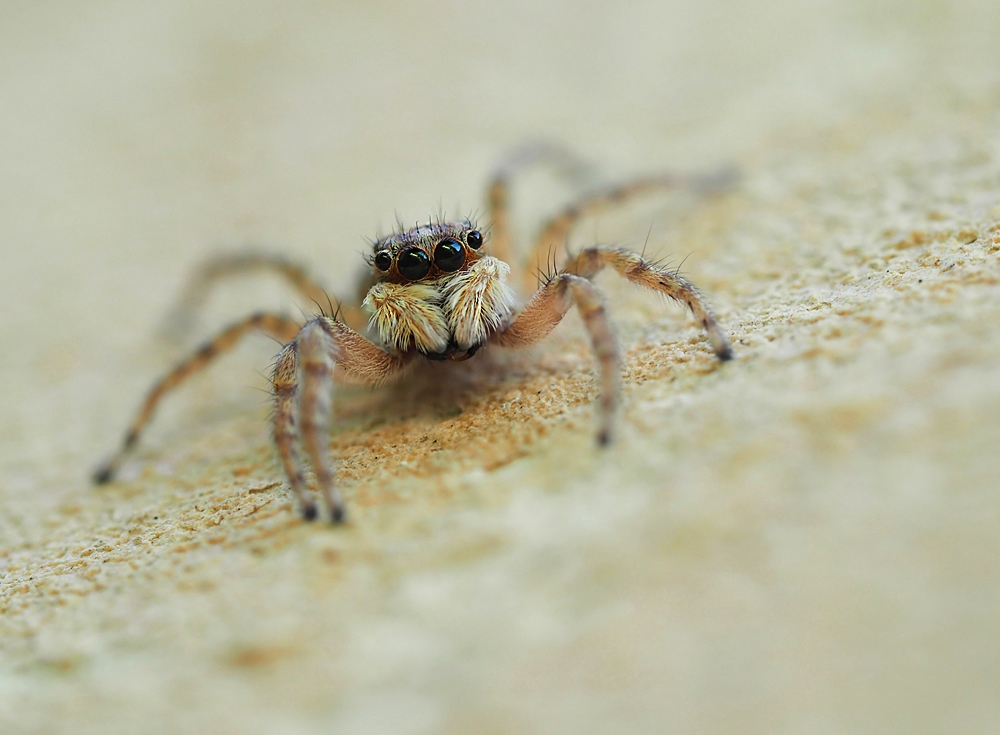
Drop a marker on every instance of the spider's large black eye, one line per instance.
(383, 261)
(475, 239)
(413, 264)
(449, 255)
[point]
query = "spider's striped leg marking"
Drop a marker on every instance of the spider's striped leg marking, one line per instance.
(309, 362)
(216, 268)
(546, 309)
(630, 265)
(280, 327)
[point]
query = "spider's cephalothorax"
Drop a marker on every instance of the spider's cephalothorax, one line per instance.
(435, 292)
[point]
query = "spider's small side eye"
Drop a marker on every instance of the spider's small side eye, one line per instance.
(413, 264)
(475, 239)
(383, 261)
(449, 255)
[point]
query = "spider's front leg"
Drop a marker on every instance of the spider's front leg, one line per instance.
(303, 394)
(274, 325)
(572, 286)
(628, 264)
(546, 309)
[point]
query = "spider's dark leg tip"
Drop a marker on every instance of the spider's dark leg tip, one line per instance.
(725, 354)
(337, 515)
(603, 438)
(103, 475)
(310, 512)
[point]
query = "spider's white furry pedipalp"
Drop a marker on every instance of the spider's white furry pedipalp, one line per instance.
(478, 301)
(407, 315)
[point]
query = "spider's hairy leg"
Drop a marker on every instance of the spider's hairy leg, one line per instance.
(498, 196)
(279, 327)
(315, 409)
(552, 240)
(498, 189)
(546, 309)
(631, 265)
(224, 265)
(303, 394)
(284, 382)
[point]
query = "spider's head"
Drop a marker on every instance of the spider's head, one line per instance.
(436, 293)
(427, 253)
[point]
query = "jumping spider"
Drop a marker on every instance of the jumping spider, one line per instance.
(437, 292)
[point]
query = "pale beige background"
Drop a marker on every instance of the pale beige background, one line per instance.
(806, 540)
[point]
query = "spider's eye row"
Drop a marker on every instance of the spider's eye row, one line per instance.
(413, 264)
(449, 255)
(475, 239)
(383, 261)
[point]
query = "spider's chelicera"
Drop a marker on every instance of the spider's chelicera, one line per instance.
(438, 294)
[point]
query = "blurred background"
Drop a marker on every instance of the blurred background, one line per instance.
(768, 550)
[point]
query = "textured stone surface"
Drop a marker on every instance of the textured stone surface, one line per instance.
(802, 540)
